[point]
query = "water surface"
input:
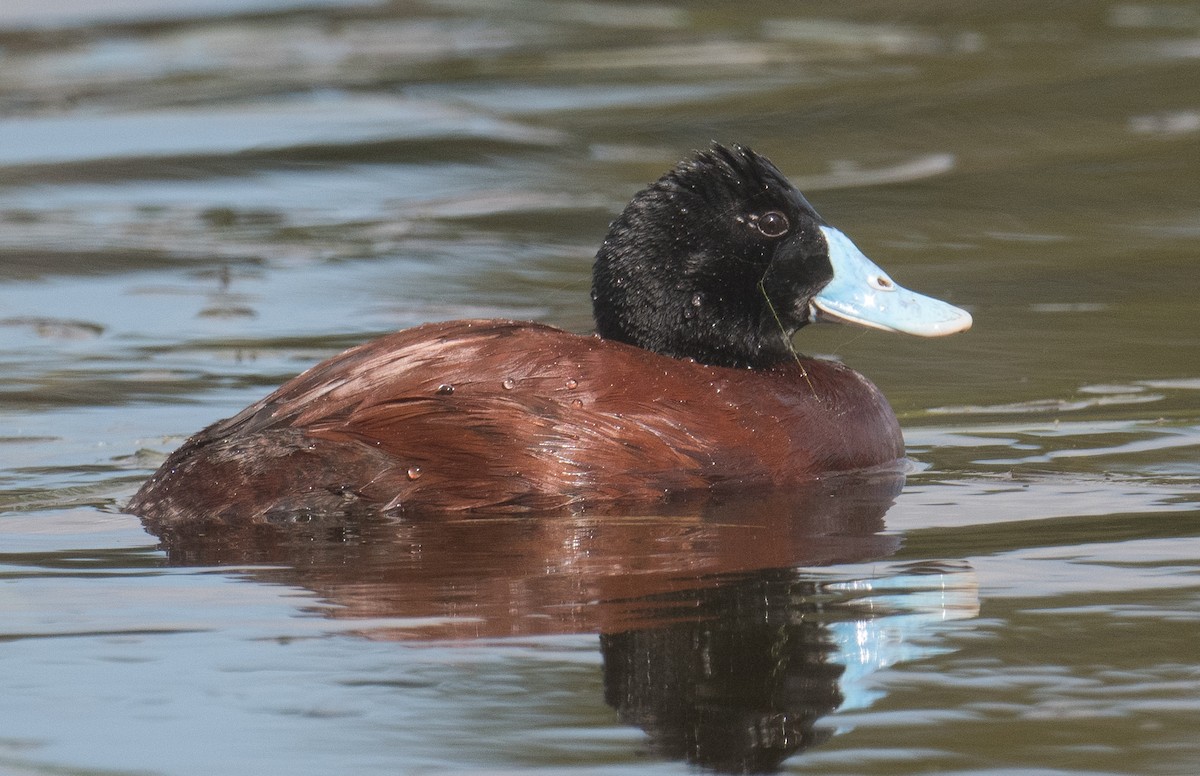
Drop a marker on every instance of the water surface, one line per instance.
(200, 199)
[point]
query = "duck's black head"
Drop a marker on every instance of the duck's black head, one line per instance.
(722, 260)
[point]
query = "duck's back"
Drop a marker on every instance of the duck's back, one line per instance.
(499, 415)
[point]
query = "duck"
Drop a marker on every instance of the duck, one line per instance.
(689, 385)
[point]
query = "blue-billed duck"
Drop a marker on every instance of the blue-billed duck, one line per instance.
(689, 384)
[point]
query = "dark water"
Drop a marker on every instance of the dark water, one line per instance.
(199, 199)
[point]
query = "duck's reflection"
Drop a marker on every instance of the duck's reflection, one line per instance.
(738, 687)
(714, 641)
(740, 684)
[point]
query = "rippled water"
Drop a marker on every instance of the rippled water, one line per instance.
(198, 199)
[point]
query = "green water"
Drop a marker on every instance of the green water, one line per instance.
(200, 199)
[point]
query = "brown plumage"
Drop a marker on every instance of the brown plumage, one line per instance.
(507, 416)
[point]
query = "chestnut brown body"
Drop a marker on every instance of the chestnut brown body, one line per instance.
(508, 416)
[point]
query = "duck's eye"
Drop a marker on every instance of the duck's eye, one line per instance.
(772, 224)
